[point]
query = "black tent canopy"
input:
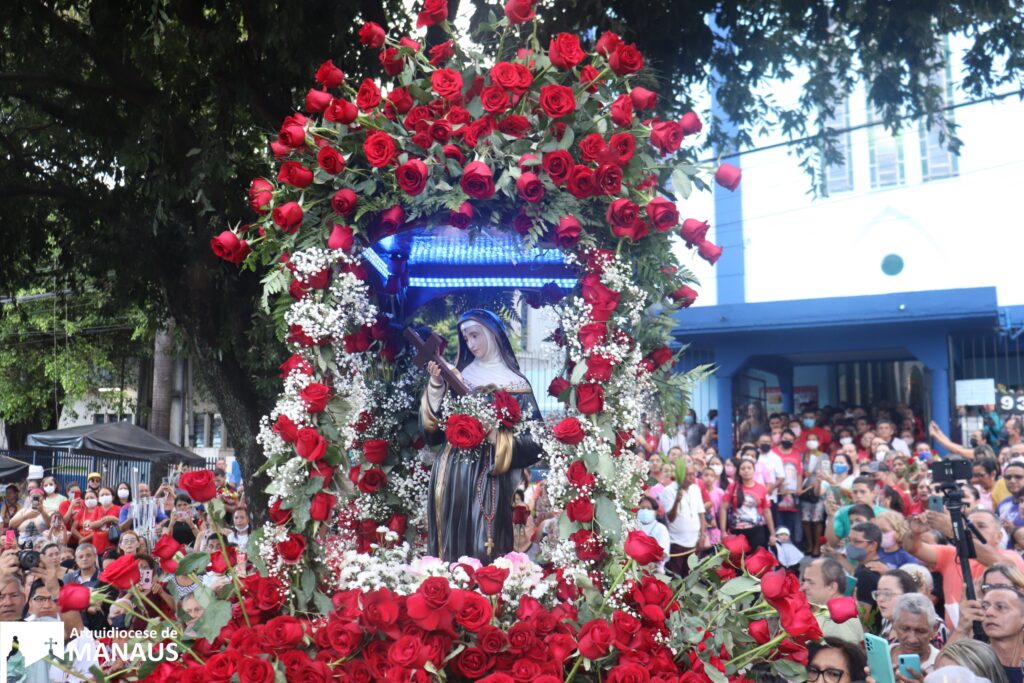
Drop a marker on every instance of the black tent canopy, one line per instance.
(12, 470)
(117, 440)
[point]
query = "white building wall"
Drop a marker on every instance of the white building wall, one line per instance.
(958, 232)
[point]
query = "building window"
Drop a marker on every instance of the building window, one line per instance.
(199, 430)
(98, 418)
(216, 432)
(885, 157)
(936, 160)
(838, 175)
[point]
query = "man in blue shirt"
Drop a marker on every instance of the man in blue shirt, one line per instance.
(1009, 509)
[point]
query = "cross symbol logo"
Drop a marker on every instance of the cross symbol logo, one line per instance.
(51, 642)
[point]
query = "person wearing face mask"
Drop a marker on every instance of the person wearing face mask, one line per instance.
(894, 528)
(647, 522)
(693, 430)
(769, 471)
(125, 518)
(33, 519)
(862, 551)
(812, 429)
(99, 514)
(52, 498)
(239, 534)
(789, 491)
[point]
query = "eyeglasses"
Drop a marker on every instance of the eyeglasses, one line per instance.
(40, 599)
(1014, 477)
(829, 675)
(884, 595)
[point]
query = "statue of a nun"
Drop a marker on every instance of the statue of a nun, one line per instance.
(470, 502)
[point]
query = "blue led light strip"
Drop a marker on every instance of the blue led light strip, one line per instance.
(503, 282)
(377, 262)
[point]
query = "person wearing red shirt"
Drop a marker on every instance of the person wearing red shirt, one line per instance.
(745, 509)
(93, 520)
(812, 425)
(789, 502)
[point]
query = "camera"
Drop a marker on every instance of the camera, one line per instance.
(950, 471)
(28, 559)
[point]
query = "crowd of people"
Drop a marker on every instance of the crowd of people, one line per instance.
(846, 499)
(55, 536)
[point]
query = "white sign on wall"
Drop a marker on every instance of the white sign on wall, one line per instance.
(975, 392)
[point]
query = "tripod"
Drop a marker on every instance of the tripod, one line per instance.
(953, 500)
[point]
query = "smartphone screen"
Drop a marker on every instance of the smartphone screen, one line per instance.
(242, 560)
(9, 537)
(146, 578)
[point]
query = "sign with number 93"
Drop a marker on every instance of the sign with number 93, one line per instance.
(1010, 403)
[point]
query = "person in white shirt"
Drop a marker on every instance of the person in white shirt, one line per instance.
(668, 441)
(770, 461)
(887, 432)
(647, 522)
(684, 510)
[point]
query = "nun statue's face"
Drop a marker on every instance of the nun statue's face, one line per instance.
(476, 339)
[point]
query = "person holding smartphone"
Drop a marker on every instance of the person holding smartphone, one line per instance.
(33, 519)
(181, 523)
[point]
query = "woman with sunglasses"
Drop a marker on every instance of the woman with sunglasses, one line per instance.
(837, 661)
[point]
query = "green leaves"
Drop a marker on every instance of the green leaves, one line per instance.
(215, 617)
(194, 563)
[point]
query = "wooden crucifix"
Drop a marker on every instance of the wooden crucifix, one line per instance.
(430, 350)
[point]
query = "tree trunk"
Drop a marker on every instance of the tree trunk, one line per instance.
(163, 382)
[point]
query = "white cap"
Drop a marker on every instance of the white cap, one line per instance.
(35, 472)
(782, 531)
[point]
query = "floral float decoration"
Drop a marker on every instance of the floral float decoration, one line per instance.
(562, 147)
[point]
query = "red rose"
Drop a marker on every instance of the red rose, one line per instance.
(515, 125)
(341, 111)
(792, 650)
(123, 572)
(558, 164)
(491, 579)
(709, 251)
(662, 214)
(441, 52)
(578, 475)
(227, 246)
(492, 640)
(591, 146)
(507, 409)
(590, 398)
(607, 43)
(440, 131)
(842, 609)
(569, 431)
(412, 176)
(626, 60)
(588, 546)
(344, 201)
(519, 11)
(379, 148)
(295, 174)
(737, 546)
(504, 75)
(316, 397)
(392, 219)
(341, 238)
(447, 83)
(643, 98)
(557, 100)
(778, 585)
(694, 231)
(309, 444)
(622, 213)
(368, 95)
(391, 61)
(329, 75)
(666, 136)
(595, 638)
(557, 386)
(685, 295)
(474, 663)
(565, 52)
(567, 234)
(255, 670)
(291, 548)
(321, 505)
(760, 631)
(580, 510)
(401, 100)
(261, 193)
(434, 12)
(295, 363)
(494, 99)
(602, 300)
(464, 431)
(288, 217)
(330, 160)
(375, 451)
(477, 180)
(759, 562)
(599, 369)
(691, 123)
(622, 111)
(588, 78)
(286, 428)
(463, 217)
(582, 182)
(661, 355)
(372, 34)
(198, 484)
(642, 548)
(609, 178)
(74, 597)
(592, 334)
(797, 619)
(728, 176)
(293, 131)
(530, 188)
(373, 480)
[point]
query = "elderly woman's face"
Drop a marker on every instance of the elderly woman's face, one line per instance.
(830, 662)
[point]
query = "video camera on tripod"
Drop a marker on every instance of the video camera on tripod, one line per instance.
(950, 476)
